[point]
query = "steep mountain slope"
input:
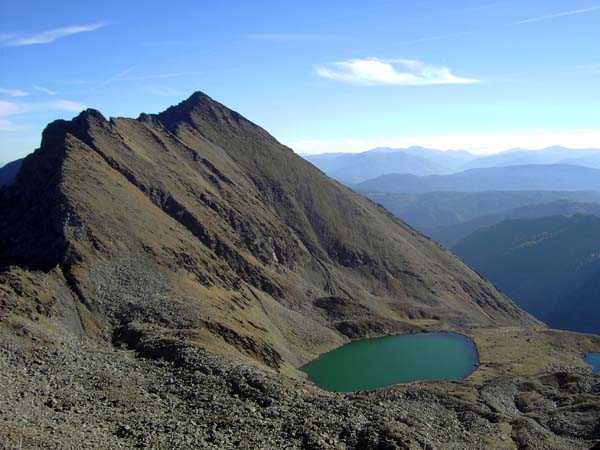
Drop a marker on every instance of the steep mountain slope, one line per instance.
(450, 235)
(8, 173)
(580, 309)
(197, 219)
(547, 265)
(512, 178)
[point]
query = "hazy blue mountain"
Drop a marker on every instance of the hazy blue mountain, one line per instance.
(512, 178)
(356, 167)
(9, 172)
(520, 157)
(549, 266)
(450, 235)
(430, 210)
(592, 160)
(450, 161)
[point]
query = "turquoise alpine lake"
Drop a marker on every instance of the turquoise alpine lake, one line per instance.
(594, 360)
(375, 363)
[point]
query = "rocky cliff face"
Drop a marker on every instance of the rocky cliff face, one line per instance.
(198, 220)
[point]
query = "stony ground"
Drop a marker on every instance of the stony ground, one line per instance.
(78, 394)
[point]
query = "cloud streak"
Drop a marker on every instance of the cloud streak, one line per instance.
(13, 108)
(557, 15)
(46, 37)
(10, 108)
(440, 37)
(13, 92)
(44, 90)
(294, 37)
(382, 72)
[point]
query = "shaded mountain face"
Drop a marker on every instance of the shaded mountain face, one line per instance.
(451, 235)
(439, 210)
(197, 225)
(549, 266)
(538, 177)
(8, 173)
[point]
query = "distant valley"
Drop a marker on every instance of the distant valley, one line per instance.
(528, 220)
(550, 266)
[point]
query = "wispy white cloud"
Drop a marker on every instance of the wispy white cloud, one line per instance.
(8, 108)
(44, 90)
(440, 37)
(117, 76)
(163, 91)
(6, 125)
(475, 143)
(126, 75)
(399, 72)
(557, 15)
(65, 105)
(294, 37)
(13, 108)
(13, 92)
(45, 37)
(155, 76)
(170, 43)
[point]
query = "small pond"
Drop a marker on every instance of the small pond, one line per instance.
(594, 360)
(375, 363)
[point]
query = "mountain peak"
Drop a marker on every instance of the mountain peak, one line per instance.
(197, 110)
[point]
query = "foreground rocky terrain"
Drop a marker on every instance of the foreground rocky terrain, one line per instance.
(168, 394)
(163, 278)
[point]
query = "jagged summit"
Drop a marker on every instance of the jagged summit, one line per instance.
(198, 107)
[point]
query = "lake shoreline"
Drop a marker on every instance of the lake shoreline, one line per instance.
(417, 369)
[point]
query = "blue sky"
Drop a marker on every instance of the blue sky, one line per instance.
(320, 76)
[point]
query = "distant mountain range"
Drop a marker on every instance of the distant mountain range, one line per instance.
(359, 167)
(527, 220)
(9, 172)
(549, 155)
(449, 236)
(354, 168)
(557, 177)
(549, 266)
(448, 217)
